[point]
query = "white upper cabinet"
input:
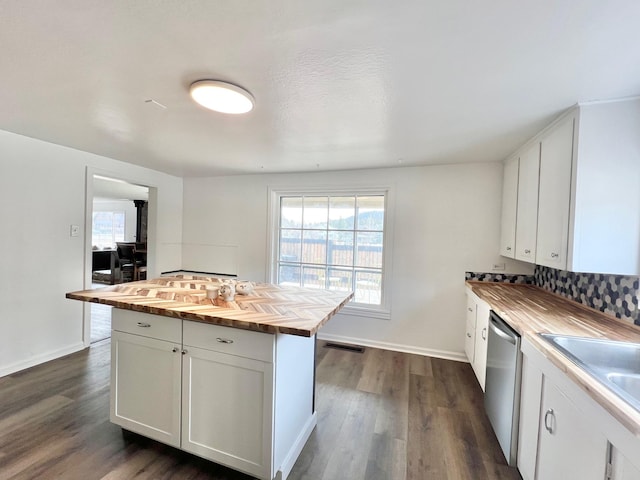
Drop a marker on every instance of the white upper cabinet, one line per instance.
(604, 228)
(555, 195)
(527, 216)
(588, 200)
(509, 207)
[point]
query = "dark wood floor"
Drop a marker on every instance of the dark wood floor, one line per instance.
(100, 322)
(381, 415)
(100, 319)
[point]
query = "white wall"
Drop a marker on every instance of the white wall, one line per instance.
(130, 214)
(446, 221)
(42, 192)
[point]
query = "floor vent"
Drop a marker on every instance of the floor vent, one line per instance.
(341, 346)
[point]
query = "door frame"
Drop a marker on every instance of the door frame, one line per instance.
(88, 233)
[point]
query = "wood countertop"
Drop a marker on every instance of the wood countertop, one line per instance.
(531, 310)
(269, 308)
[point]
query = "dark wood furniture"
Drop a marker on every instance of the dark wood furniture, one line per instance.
(105, 267)
(133, 260)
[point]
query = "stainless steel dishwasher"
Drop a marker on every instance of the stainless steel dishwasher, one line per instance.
(502, 388)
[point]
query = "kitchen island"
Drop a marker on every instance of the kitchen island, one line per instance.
(230, 381)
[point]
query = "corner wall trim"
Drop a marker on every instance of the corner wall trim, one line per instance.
(37, 360)
(427, 352)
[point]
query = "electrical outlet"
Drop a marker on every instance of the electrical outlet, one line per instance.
(498, 267)
(74, 231)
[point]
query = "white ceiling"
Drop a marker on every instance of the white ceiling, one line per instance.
(338, 83)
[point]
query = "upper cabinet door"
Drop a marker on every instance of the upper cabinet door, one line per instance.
(509, 207)
(604, 230)
(527, 209)
(555, 195)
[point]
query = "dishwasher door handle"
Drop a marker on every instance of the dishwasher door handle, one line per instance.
(501, 333)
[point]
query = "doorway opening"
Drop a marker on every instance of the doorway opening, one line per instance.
(118, 236)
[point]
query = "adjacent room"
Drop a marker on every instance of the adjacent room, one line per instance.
(118, 242)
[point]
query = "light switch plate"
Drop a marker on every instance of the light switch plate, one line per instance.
(74, 231)
(499, 267)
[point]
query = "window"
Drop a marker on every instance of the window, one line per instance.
(334, 241)
(108, 228)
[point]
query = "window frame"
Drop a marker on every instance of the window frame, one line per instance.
(382, 311)
(113, 235)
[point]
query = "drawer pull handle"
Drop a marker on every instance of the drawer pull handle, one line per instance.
(508, 249)
(549, 425)
(470, 309)
(554, 255)
(469, 335)
(175, 349)
(484, 333)
(527, 251)
(184, 352)
(144, 325)
(224, 340)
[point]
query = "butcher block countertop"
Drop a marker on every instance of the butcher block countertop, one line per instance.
(269, 308)
(531, 310)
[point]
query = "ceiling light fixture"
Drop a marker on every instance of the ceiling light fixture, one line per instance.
(221, 96)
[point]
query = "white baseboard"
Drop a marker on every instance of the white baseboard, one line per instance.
(42, 358)
(294, 453)
(427, 352)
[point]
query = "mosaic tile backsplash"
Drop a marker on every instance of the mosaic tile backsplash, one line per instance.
(498, 277)
(615, 295)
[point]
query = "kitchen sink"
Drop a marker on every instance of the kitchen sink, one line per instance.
(614, 364)
(628, 382)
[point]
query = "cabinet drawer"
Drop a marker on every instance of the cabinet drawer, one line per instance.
(234, 341)
(147, 325)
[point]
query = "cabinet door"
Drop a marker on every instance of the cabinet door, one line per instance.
(555, 196)
(480, 356)
(569, 447)
(622, 469)
(227, 408)
(527, 211)
(509, 207)
(145, 386)
(470, 330)
(530, 397)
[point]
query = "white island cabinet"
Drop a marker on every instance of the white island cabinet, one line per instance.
(239, 398)
(230, 380)
(146, 368)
